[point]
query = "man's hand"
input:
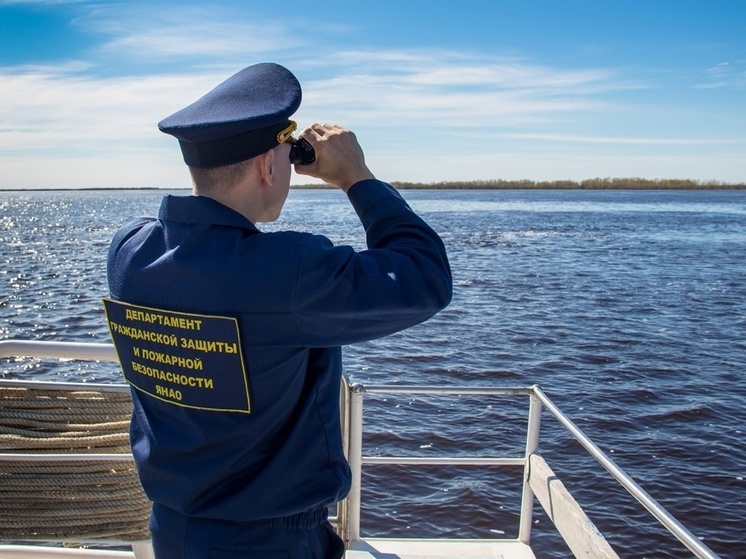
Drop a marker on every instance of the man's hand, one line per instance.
(339, 158)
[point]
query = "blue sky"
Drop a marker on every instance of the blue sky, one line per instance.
(435, 91)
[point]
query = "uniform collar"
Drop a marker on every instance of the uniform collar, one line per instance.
(201, 210)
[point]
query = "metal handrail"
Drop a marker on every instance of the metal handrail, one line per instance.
(538, 401)
(651, 505)
(62, 385)
(62, 350)
(351, 524)
(352, 403)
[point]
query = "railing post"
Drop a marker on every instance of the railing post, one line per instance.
(344, 414)
(356, 461)
(532, 445)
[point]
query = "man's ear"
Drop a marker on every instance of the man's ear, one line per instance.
(266, 166)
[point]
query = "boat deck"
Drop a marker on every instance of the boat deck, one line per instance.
(362, 549)
(438, 549)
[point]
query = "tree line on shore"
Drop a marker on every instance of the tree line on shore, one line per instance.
(588, 184)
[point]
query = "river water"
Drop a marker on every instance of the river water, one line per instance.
(627, 307)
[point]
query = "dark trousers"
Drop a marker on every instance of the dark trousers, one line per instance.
(176, 536)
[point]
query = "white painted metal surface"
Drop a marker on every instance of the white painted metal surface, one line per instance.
(438, 549)
(348, 518)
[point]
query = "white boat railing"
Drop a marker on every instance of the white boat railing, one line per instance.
(348, 511)
(538, 401)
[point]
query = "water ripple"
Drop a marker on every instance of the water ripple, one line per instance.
(629, 308)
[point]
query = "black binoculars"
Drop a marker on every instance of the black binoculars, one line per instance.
(302, 152)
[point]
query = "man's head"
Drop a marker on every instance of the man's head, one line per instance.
(234, 139)
(246, 115)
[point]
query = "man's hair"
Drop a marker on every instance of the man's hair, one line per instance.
(218, 179)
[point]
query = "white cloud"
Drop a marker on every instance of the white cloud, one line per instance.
(194, 34)
(437, 89)
(65, 127)
(569, 138)
(724, 75)
(47, 107)
(205, 41)
(425, 88)
(428, 113)
(63, 109)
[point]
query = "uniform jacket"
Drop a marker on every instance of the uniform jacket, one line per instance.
(296, 299)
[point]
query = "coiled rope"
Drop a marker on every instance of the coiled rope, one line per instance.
(68, 500)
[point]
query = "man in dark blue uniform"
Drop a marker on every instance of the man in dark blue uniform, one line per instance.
(231, 337)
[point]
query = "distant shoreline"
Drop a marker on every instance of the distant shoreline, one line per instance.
(499, 184)
(590, 184)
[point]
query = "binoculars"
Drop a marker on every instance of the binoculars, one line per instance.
(302, 152)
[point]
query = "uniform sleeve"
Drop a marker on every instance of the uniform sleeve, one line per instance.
(402, 279)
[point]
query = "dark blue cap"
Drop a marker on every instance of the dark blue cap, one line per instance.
(241, 118)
